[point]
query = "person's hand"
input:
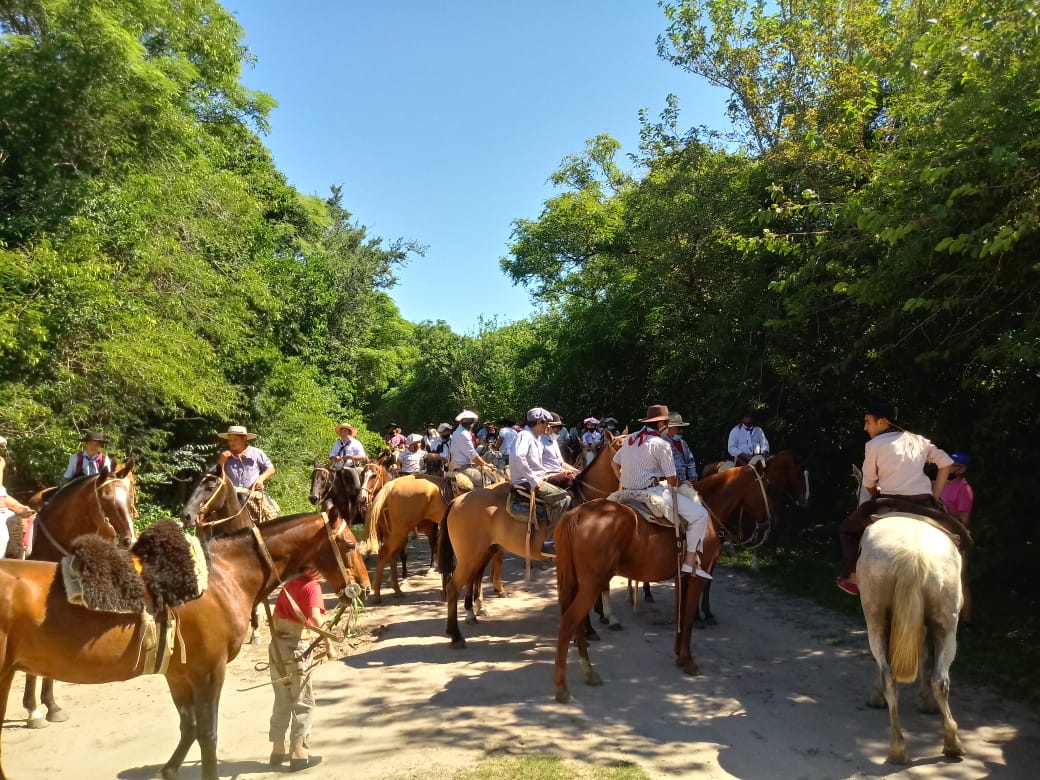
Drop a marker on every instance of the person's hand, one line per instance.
(225, 456)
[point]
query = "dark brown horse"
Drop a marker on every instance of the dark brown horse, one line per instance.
(783, 480)
(100, 504)
(339, 494)
(600, 539)
(42, 633)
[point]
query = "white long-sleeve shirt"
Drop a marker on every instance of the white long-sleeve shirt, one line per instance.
(525, 460)
(894, 461)
(747, 441)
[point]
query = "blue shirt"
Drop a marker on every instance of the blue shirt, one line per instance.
(243, 469)
(685, 467)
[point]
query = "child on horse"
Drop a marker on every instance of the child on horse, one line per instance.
(893, 472)
(89, 460)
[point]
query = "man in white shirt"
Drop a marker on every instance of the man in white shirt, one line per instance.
(462, 452)
(643, 460)
(893, 472)
(347, 451)
(559, 471)
(747, 440)
(506, 437)
(527, 469)
(413, 460)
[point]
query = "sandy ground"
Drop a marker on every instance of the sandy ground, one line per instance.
(781, 696)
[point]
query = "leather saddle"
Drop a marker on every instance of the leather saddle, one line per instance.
(518, 505)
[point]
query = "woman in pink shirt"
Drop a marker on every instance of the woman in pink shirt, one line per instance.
(959, 499)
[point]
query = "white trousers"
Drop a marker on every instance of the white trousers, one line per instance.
(691, 510)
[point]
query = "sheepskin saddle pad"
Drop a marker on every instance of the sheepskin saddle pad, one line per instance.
(650, 506)
(164, 569)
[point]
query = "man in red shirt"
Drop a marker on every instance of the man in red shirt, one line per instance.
(299, 605)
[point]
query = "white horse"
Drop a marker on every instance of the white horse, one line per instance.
(909, 580)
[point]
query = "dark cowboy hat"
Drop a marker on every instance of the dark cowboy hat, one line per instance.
(93, 436)
(655, 413)
(881, 409)
(392, 425)
(675, 420)
(557, 421)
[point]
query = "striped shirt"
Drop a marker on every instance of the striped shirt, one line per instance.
(643, 458)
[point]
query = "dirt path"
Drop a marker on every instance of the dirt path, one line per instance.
(781, 696)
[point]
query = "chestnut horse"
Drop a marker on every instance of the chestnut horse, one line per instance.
(100, 504)
(477, 527)
(602, 538)
(909, 580)
(42, 633)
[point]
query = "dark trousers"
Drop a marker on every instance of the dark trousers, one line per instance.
(852, 527)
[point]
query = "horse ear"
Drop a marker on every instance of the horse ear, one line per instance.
(608, 437)
(125, 469)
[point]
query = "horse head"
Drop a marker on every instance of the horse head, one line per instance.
(202, 496)
(787, 471)
(348, 493)
(321, 483)
(115, 497)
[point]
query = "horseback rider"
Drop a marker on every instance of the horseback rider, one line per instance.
(591, 439)
(413, 460)
(643, 461)
(893, 472)
(527, 468)
(247, 467)
(685, 466)
(348, 451)
(462, 452)
(506, 436)
(9, 505)
(89, 460)
(558, 471)
(746, 440)
(396, 440)
(431, 437)
(437, 453)
(610, 424)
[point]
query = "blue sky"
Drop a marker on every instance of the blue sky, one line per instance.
(443, 120)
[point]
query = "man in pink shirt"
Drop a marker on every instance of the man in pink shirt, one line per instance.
(959, 499)
(893, 472)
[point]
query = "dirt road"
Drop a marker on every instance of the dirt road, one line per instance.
(781, 696)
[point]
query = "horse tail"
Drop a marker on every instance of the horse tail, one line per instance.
(566, 573)
(375, 513)
(445, 554)
(906, 635)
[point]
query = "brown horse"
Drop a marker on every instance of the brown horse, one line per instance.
(478, 526)
(602, 538)
(214, 509)
(100, 504)
(42, 633)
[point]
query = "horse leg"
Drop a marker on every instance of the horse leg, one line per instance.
(181, 692)
(608, 615)
(496, 575)
(254, 625)
(462, 574)
(648, 597)
(887, 683)
(35, 718)
(207, 703)
(404, 562)
(689, 593)
(5, 690)
(55, 714)
(944, 652)
(709, 617)
(570, 621)
(431, 536)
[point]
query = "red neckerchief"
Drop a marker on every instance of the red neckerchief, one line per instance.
(638, 438)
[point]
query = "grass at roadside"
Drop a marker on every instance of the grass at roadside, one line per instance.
(1001, 648)
(502, 767)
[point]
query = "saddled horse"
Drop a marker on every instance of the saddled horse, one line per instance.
(783, 479)
(338, 492)
(374, 477)
(909, 575)
(42, 633)
(478, 526)
(603, 538)
(100, 504)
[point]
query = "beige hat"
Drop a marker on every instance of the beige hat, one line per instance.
(414, 438)
(675, 420)
(655, 413)
(237, 430)
(346, 427)
(466, 414)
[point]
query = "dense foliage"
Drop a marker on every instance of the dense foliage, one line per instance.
(866, 226)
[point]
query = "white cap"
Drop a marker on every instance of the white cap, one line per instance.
(466, 414)
(413, 438)
(538, 414)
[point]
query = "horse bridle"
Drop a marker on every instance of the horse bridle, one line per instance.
(201, 523)
(101, 510)
(273, 567)
(331, 483)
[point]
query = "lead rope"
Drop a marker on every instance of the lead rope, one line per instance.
(678, 561)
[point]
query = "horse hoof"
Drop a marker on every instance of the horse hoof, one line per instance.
(591, 636)
(378, 600)
(167, 773)
(649, 598)
(563, 696)
(36, 723)
(471, 620)
(502, 594)
(604, 620)
(689, 667)
(711, 621)
(458, 644)
(593, 678)
(57, 715)
(254, 638)
(616, 627)
(899, 757)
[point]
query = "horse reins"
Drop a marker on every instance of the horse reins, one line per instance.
(199, 522)
(330, 485)
(104, 519)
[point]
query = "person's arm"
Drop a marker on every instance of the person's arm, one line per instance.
(940, 481)
(870, 472)
(15, 505)
(733, 445)
(765, 442)
(70, 472)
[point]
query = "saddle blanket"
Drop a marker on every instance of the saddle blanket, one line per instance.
(519, 508)
(651, 506)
